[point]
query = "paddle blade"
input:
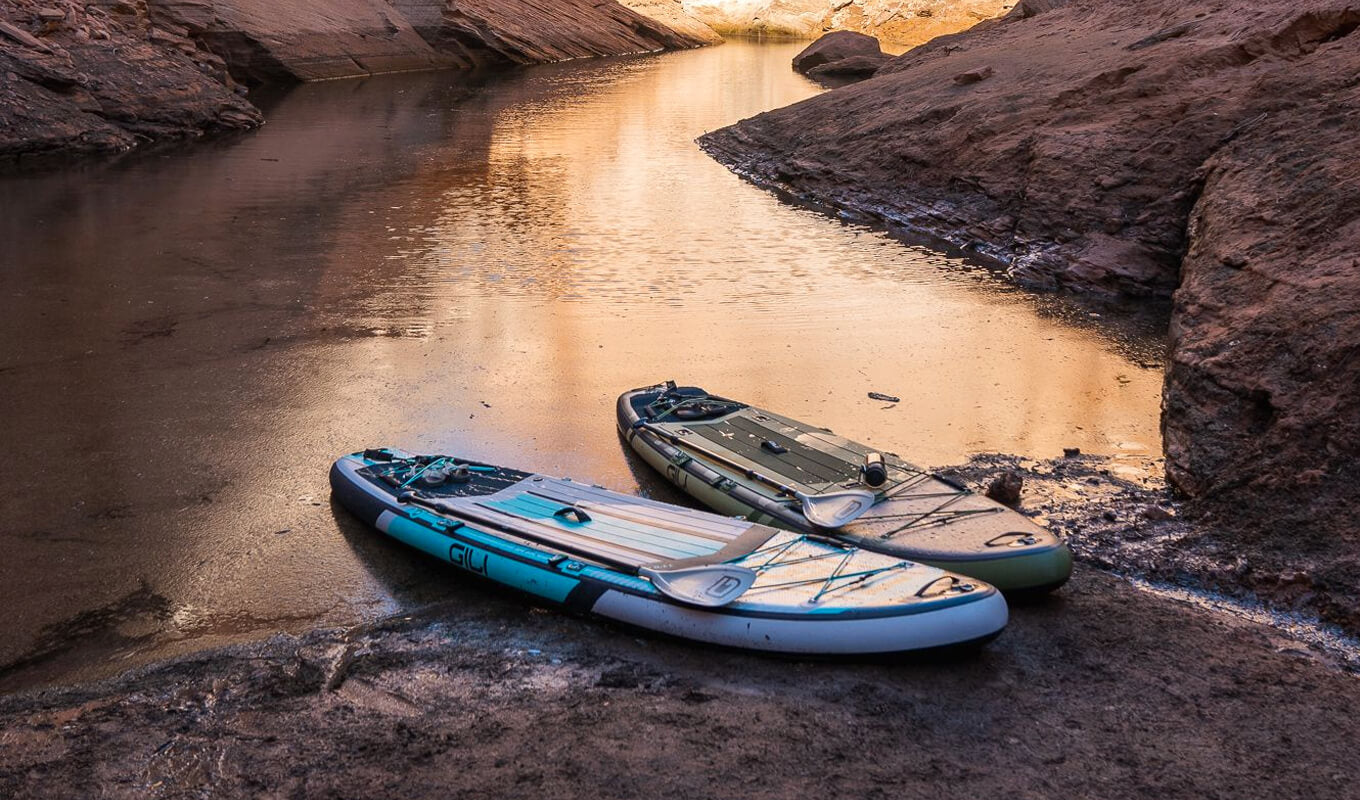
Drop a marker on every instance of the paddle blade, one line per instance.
(835, 509)
(708, 586)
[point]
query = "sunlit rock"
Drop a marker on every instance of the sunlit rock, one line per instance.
(899, 21)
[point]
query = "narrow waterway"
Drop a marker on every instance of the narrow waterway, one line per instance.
(192, 335)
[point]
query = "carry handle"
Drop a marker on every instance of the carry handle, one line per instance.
(572, 514)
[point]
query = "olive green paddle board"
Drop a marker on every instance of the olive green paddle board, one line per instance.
(742, 460)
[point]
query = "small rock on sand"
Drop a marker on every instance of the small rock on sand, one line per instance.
(1005, 488)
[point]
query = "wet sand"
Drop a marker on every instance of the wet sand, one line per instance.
(1101, 691)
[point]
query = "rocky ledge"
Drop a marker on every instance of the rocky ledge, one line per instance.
(74, 79)
(1144, 148)
(103, 76)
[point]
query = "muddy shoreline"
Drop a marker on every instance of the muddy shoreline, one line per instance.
(1103, 689)
(1117, 514)
(1123, 518)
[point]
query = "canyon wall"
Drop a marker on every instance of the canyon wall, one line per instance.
(899, 21)
(1131, 149)
(104, 75)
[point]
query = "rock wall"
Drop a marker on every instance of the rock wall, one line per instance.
(1262, 400)
(267, 40)
(78, 79)
(104, 75)
(1128, 149)
(899, 21)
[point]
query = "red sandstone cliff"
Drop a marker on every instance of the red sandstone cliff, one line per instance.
(1133, 148)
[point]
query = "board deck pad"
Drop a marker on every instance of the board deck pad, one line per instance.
(745, 436)
(588, 521)
(634, 534)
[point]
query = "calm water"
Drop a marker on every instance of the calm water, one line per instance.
(191, 336)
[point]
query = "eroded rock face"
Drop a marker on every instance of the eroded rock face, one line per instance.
(267, 40)
(899, 21)
(1126, 149)
(1067, 144)
(85, 79)
(673, 15)
(1262, 400)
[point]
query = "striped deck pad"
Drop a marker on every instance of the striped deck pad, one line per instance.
(621, 529)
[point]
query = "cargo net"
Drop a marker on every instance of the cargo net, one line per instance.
(846, 576)
(793, 552)
(937, 494)
(443, 476)
(676, 405)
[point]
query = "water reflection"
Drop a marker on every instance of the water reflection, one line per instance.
(191, 336)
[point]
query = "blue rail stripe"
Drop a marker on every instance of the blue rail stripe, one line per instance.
(516, 574)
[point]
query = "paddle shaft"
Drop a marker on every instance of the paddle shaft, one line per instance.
(709, 454)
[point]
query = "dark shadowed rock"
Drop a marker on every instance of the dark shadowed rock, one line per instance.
(96, 82)
(1005, 488)
(852, 68)
(836, 46)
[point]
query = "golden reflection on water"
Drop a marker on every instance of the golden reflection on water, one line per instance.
(602, 250)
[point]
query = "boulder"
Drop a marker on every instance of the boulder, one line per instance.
(854, 67)
(1006, 487)
(836, 46)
